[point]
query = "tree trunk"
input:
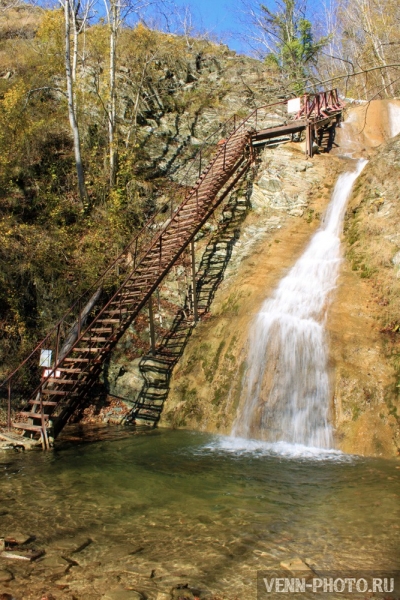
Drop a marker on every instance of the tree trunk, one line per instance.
(114, 25)
(71, 107)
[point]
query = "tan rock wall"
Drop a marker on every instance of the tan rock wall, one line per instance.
(289, 195)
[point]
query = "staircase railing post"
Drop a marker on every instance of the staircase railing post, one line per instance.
(79, 318)
(224, 154)
(200, 156)
(135, 255)
(44, 432)
(57, 346)
(151, 323)
(90, 347)
(194, 291)
(9, 406)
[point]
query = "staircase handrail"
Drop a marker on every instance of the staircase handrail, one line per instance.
(79, 303)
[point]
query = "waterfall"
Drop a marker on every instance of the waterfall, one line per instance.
(286, 386)
(394, 119)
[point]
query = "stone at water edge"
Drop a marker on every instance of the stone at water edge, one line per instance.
(297, 566)
(17, 538)
(123, 595)
(184, 592)
(5, 576)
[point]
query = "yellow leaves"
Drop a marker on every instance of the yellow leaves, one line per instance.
(12, 100)
(50, 40)
(51, 28)
(98, 42)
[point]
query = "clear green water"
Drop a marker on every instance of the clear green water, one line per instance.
(175, 507)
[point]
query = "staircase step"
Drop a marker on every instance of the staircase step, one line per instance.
(27, 427)
(58, 380)
(55, 392)
(92, 349)
(131, 295)
(44, 402)
(32, 415)
(110, 321)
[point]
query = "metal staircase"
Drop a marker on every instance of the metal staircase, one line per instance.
(83, 339)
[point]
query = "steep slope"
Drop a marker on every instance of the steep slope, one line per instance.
(288, 197)
(363, 321)
(365, 317)
(172, 92)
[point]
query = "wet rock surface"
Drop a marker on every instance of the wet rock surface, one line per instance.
(363, 322)
(206, 384)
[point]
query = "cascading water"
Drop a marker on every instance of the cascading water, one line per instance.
(287, 384)
(394, 119)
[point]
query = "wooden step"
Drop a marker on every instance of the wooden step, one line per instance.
(107, 321)
(135, 294)
(55, 392)
(32, 415)
(130, 295)
(44, 402)
(94, 339)
(58, 380)
(92, 349)
(27, 426)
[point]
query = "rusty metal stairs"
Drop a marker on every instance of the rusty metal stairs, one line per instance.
(58, 396)
(156, 369)
(83, 339)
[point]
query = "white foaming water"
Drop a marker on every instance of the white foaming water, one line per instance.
(394, 119)
(286, 383)
(242, 447)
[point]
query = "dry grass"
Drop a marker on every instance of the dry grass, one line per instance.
(19, 22)
(17, 28)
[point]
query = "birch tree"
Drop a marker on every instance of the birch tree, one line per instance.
(117, 12)
(365, 39)
(68, 11)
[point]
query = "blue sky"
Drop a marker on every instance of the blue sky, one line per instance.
(222, 18)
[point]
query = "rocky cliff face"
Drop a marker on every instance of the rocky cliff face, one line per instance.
(280, 208)
(365, 317)
(288, 196)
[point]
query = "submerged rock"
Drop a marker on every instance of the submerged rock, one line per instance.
(123, 595)
(5, 576)
(297, 565)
